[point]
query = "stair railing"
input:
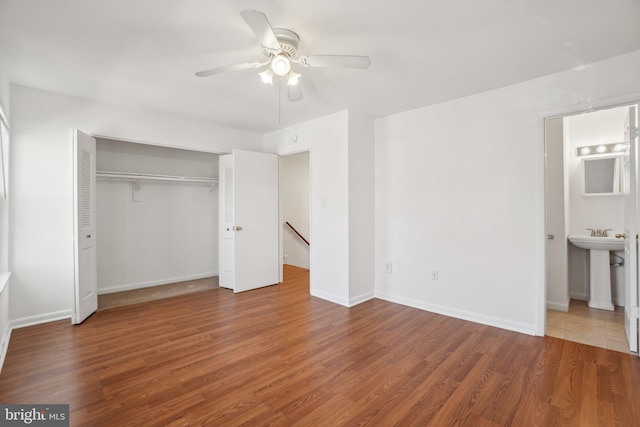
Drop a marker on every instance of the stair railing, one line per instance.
(297, 233)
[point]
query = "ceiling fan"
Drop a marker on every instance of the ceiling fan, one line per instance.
(280, 46)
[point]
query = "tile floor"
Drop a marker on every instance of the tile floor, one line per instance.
(586, 325)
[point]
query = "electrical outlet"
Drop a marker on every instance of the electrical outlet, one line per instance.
(389, 267)
(434, 275)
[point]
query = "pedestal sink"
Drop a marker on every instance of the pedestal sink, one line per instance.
(600, 273)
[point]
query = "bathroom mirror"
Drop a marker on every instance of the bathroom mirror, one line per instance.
(602, 176)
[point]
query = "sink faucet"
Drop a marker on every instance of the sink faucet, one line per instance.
(598, 233)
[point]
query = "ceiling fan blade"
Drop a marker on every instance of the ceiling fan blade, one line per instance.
(342, 61)
(261, 27)
(237, 67)
(294, 93)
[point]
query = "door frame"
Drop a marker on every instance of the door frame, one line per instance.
(578, 108)
(281, 210)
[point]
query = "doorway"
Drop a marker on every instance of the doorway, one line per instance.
(569, 141)
(294, 190)
(157, 211)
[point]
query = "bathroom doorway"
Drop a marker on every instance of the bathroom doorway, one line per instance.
(571, 210)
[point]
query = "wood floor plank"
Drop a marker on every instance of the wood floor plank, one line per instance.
(277, 356)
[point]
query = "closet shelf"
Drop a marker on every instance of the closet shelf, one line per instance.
(126, 176)
(137, 179)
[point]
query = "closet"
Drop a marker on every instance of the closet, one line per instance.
(156, 215)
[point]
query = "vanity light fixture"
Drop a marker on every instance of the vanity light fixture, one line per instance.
(614, 148)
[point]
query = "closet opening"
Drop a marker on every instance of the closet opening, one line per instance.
(157, 221)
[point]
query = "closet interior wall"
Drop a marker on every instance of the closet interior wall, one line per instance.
(154, 232)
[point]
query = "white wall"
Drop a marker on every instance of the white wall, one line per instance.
(294, 194)
(41, 185)
(328, 165)
(460, 190)
(599, 127)
(5, 331)
(170, 234)
(334, 142)
(361, 208)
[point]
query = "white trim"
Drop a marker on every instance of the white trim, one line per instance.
(329, 297)
(582, 296)
(141, 285)
(40, 318)
(529, 329)
(541, 252)
(361, 298)
(137, 141)
(558, 306)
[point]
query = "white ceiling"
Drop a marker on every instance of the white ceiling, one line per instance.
(143, 53)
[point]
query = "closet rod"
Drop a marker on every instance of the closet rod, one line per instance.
(152, 177)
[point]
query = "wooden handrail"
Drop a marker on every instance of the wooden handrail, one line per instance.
(296, 231)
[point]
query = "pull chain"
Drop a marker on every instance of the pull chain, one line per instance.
(279, 102)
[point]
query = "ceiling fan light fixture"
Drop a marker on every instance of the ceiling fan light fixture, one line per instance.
(280, 65)
(267, 76)
(293, 78)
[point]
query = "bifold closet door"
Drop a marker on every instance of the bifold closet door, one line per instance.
(84, 226)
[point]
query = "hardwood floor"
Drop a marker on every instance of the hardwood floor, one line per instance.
(135, 296)
(277, 356)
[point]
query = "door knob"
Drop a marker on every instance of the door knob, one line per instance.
(237, 228)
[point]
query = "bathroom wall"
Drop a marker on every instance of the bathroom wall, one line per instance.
(600, 127)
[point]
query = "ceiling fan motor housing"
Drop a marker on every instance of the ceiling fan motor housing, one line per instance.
(288, 40)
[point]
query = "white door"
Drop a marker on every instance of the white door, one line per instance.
(556, 246)
(226, 247)
(249, 235)
(631, 229)
(84, 221)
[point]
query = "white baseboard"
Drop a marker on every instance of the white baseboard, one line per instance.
(558, 306)
(461, 314)
(40, 318)
(582, 296)
(330, 297)
(343, 301)
(131, 286)
(361, 298)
